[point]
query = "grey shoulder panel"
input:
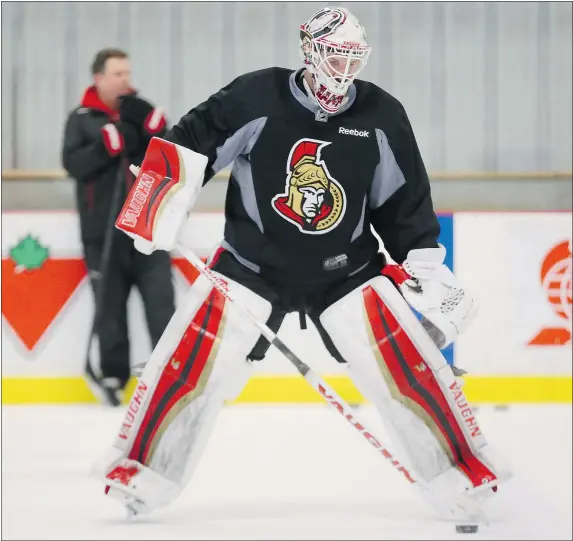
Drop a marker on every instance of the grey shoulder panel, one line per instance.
(241, 142)
(243, 175)
(388, 176)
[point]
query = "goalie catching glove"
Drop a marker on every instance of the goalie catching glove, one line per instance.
(432, 290)
(165, 189)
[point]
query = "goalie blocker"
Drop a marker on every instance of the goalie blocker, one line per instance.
(165, 189)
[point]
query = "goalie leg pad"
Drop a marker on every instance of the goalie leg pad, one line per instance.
(398, 368)
(198, 364)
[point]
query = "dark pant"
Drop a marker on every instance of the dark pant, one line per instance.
(307, 300)
(126, 268)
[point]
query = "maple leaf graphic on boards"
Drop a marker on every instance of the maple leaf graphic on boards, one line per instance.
(28, 254)
(35, 288)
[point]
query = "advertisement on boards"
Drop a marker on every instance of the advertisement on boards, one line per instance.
(555, 283)
(47, 301)
(519, 267)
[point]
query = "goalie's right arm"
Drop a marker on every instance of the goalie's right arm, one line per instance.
(206, 128)
(174, 168)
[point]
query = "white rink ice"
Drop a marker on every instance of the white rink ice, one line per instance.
(281, 472)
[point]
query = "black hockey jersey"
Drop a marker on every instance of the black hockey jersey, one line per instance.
(305, 187)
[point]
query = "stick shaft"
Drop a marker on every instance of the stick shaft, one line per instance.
(100, 281)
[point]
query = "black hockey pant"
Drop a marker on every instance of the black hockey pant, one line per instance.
(308, 301)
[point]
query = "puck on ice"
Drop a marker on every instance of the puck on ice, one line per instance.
(466, 528)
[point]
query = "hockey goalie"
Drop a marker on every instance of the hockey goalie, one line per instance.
(320, 161)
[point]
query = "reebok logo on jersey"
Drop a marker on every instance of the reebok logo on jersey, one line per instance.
(357, 133)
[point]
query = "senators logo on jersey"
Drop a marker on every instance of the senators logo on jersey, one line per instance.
(313, 200)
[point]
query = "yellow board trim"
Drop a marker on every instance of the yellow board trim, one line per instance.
(284, 389)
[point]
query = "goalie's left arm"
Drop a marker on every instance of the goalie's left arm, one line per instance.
(402, 213)
(400, 204)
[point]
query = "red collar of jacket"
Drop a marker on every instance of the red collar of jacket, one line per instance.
(91, 100)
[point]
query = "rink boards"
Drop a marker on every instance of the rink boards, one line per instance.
(518, 265)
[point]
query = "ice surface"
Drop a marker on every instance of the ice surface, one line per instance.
(274, 472)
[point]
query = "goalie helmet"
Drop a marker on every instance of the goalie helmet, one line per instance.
(334, 50)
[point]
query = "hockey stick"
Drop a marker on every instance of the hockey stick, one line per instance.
(100, 279)
(335, 401)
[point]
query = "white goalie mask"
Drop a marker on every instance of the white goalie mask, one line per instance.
(334, 50)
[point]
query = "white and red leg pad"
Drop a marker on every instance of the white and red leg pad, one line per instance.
(198, 364)
(397, 367)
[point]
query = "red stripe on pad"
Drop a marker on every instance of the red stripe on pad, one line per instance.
(425, 384)
(182, 360)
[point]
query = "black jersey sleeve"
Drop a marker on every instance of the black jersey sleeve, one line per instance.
(403, 215)
(221, 127)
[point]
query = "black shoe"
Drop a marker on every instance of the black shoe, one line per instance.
(111, 388)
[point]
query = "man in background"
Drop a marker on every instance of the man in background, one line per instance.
(110, 129)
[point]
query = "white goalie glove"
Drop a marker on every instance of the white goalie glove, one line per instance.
(430, 288)
(165, 189)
